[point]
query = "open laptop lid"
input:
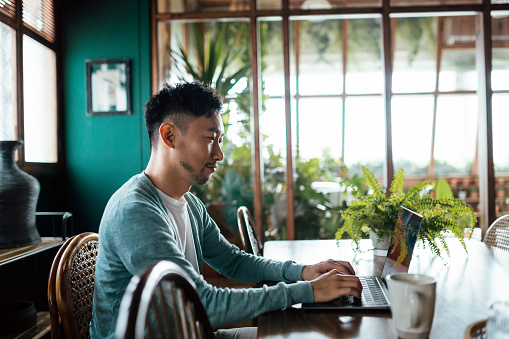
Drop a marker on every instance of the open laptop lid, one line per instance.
(406, 231)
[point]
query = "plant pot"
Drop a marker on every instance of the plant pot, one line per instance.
(380, 245)
(19, 192)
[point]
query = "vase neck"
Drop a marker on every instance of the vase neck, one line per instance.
(7, 152)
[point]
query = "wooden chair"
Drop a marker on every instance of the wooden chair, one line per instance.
(162, 303)
(71, 286)
(476, 330)
(498, 233)
(250, 240)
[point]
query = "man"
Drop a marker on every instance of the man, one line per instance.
(153, 217)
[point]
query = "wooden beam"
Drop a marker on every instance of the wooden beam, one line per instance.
(255, 124)
(387, 62)
(485, 130)
(290, 192)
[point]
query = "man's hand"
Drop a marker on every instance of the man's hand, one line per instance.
(310, 272)
(334, 284)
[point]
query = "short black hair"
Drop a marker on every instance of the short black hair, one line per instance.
(181, 103)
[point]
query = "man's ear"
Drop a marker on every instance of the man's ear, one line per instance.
(167, 134)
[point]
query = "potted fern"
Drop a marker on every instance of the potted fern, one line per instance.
(377, 212)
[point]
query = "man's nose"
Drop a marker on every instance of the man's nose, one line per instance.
(218, 153)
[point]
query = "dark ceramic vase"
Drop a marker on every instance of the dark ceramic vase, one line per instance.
(19, 192)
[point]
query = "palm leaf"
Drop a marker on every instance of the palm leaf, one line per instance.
(214, 62)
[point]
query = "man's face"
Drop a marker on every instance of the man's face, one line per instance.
(199, 148)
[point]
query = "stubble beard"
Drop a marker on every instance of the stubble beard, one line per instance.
(198, 177)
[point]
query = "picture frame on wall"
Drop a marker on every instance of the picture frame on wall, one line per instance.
(108, 87)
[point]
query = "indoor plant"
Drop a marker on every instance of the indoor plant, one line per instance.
(378, 212)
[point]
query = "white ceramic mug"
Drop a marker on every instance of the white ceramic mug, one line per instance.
(412, 298)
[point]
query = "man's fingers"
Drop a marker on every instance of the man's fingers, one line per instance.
(334, 284)
(346, 265)
(347, 285)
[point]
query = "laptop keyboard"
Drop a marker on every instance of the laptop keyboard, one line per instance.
(372, 294)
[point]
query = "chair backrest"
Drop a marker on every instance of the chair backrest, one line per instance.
(71, 286)
(162, 303)
(498, 233)
(476, 330)
(250, 240)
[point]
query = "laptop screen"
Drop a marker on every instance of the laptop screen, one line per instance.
(403, 242)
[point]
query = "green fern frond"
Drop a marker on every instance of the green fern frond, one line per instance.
(398, 183)
(372, 182)
(416, 191)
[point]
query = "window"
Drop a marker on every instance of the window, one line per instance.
(28, 58)
(336, 84)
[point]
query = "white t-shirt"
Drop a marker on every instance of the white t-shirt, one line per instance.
(180, 218)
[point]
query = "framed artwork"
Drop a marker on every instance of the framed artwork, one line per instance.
(108, 86)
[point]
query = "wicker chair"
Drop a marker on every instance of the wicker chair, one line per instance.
(71, 286)
(148, 307)
(250, 240)
(476, 330)
(498, 233)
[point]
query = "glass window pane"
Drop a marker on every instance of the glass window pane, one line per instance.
(8, 103)
(39, 15)
(8, 8)
(364, 135)
(329, 4)
(269, 4)
(458, 56)
(180, 59)
(318, 53)
(412, 123)
(456, 134)
(201, 6)
(500, 72)
(271, 57)
(40, 102)
(364, 66)
(500, 135)
(457, 71)
(500, 153)
(432, 2)
(273, 152)
(317, 137)
(273, 129)
(319, 126)
(414, 55)
(500, 54)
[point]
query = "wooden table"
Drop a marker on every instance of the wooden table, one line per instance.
(466, 285)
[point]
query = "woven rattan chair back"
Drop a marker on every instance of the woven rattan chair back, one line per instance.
(498, 233)
(250, 240)
(162, 303)
(71, 286)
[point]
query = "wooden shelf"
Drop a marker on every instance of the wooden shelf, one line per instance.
(8, 255)
(41, 328)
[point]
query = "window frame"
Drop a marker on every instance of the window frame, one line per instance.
(482, 11)
(21, 28)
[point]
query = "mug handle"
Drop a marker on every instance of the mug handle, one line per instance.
(416, 301)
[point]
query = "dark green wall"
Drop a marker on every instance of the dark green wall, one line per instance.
(103, 152)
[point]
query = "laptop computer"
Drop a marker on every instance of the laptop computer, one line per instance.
(374, 292)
